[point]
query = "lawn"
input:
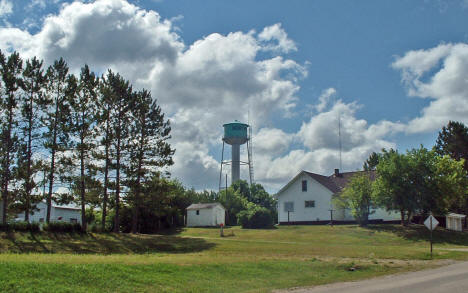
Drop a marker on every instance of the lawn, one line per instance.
(199, 260)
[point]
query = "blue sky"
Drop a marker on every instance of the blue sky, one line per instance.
(392, 70)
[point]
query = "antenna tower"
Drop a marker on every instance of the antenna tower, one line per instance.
(339, 136)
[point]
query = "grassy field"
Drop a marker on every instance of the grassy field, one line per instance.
(199, 260)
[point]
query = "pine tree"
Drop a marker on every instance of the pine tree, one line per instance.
(104, 131)
(56, 110)
(150, 150)
(120, 93)
(10, 70)
(453, 141)
(83, 105)
(34, 81)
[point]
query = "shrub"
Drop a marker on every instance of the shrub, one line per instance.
(20, 226)
(6, 227)
(255, 217)
(25, 226)
(62, 227)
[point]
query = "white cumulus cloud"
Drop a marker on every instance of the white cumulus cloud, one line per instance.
(440, 75)
(6, 7)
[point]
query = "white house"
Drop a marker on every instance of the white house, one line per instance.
(307, 199)
(205, 214)
(59, 213)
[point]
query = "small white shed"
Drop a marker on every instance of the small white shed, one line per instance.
(205, 214)
(454, 221)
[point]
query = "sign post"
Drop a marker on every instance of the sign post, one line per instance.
(431, 223)
(331, 217)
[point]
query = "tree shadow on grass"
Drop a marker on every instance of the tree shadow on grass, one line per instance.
(102, 243)
(421, 233)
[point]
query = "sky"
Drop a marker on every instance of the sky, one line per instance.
(392, 73)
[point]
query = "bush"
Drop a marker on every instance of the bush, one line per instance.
(20, 226)
(62, 227)
(255, 217)
(6, 227)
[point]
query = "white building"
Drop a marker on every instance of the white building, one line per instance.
(205, 214)
(454, 221)
(307, 199)
(59, 213)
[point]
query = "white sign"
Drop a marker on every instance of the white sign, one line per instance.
(428, 222)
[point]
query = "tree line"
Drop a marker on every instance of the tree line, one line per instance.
(420, 181)
(77, 138)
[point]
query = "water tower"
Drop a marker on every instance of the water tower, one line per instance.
(236, 134)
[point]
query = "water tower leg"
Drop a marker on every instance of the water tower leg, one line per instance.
(235, 167)
(221, 169)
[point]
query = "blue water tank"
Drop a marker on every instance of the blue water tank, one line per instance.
(235, 133)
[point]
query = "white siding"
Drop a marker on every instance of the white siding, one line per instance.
(213, 216)
(316, 192)
(40, 213)
(219, 216)
(454, 223)
(204, 217)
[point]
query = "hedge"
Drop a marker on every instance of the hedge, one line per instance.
(20, 226)
(255, 217)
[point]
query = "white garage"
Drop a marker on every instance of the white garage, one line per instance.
(205, 215)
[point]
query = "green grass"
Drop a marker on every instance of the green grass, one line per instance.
(199, 260)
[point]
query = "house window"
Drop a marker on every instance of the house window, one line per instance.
(309, 203)
(41, 220)
(304, 185)
(74, 221)
(198, 212)
(289, 206)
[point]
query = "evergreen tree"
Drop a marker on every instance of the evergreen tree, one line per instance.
(104, 131)
(34, 81)
(371, 163)
(56, 110)
(149, 149)
(120, 94)
(83, 106)
(10, 70)
(453, 141)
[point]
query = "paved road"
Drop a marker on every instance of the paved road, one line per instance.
(448, 279)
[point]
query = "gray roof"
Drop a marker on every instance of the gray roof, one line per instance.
(198, 206)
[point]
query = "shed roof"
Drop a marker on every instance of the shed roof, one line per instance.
(198, 206)
(453, 215)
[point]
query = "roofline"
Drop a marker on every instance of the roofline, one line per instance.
(294, 179)
(215, 203)
(66, 208)
(288, 184)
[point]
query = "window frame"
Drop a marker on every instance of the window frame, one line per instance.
(304, 185)
(285, 204)
(309, 204)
